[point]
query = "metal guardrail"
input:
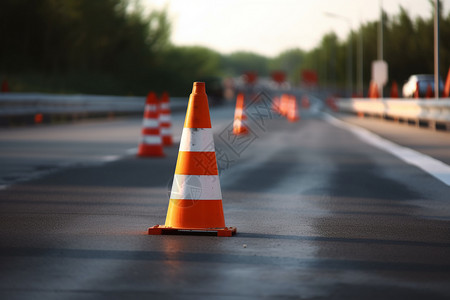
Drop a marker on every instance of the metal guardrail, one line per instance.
(431, 113)
(23, 106)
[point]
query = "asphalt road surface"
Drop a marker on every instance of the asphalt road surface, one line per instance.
(320, 214)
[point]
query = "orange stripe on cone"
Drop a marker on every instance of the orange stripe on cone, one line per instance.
(151, 143)
(196, 199)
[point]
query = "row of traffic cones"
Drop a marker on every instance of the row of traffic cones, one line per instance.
(156, 126)
(286, 105)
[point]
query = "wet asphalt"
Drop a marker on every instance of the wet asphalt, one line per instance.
(319, 213)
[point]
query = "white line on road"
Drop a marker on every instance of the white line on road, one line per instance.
(432, 166)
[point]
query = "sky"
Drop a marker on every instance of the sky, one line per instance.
(269, 27)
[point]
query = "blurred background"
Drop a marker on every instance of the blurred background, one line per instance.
(126, 47)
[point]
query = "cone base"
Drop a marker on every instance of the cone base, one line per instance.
(164, 230)
(240, 131)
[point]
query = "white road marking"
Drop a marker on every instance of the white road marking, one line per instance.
(432, 166)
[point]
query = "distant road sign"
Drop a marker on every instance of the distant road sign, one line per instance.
(380, 72)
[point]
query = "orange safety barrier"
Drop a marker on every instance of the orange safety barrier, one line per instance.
(195, 204)
(151, 142)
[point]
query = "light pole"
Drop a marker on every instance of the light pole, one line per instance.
(349, 54)
(436, 49)
(380, 42)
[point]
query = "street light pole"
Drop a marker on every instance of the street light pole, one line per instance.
(360, 62)
(436, 49)
(349, 52)
(380, 42)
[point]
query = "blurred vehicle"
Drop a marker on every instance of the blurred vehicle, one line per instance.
(419, 83)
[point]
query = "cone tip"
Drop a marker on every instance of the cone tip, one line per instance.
(198, 88)
(151, 98)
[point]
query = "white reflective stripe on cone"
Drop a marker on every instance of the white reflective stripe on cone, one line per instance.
(165, 131)
(150, 123)
(197, 140)
(164, 118)
(164, 105)
(152, 140)
(196, 187)
(151, 107)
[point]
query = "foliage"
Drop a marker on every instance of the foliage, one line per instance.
(112, 46)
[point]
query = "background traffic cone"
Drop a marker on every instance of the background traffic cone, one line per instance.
(284, 104)
(416, 92)
(276, 104)
(5, 86)
(151, 142)
(165, 120)
(196, 199)
(292, 114)
(305, 102)
(373, 90)
(429, 93)
(394, 89)
(447, 86)
(239, 124)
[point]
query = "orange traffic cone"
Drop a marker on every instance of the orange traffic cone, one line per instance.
(429, 93)
(239, 126)
(305, 102)
(447, 86)
(276, 104)
(196, 199)
(5, 86)
(284, 104)
(151, 143)
(165, 121)
(394, 89)
(292, 114)
(373, 90)
(416, 92)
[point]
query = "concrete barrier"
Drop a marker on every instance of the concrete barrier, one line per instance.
(23, 107)
(428, 113)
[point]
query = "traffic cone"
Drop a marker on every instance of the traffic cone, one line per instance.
(276, 104)
(5, 86)
(429, 93)
(165, 120)
(151, 143)
(292, 114)
(305, 102)
(416, 92)
(373, 91)
(195, 204)
(239, 124)
(284, 104)
(446, 93)
(394, 89)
